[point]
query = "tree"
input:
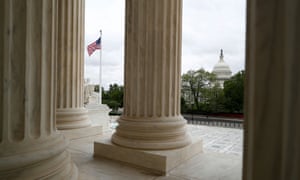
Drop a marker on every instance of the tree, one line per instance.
(183, 105)
(96, 88)
(213, 99)
(194, 84)
(234, 92)
(114, 96)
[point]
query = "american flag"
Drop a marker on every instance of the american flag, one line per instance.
(94, 46)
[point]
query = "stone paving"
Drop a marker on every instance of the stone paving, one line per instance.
(218, 139)
(222, 158)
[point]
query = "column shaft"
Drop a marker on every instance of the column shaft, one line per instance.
(272, 136)
(30, 147)
(70, 112)
(151, 118)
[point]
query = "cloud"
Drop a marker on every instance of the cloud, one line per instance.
(207, 26)
(109, 17)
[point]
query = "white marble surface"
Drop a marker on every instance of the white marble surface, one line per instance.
(218, 139)
(222, 159)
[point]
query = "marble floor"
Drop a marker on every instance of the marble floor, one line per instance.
(221, 159)
(219, 139)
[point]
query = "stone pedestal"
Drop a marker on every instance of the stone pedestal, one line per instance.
(272, 136)
(151, 119)
(70, 111)
(30, 146)
(158, 162)
(99, 115)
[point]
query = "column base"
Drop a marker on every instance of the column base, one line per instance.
(58, 167)
(72, 118)
(72, 134)
(46, 159)
(152, 133)
(157, 162)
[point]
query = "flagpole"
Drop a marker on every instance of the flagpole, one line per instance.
(100, 72)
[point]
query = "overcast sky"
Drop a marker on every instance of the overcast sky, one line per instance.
(208, 26)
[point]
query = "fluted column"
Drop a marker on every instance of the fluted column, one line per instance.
(272, 121)
(30, 147)
(151, 117)
(70, 112)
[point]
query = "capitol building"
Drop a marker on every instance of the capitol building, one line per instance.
(222, 70)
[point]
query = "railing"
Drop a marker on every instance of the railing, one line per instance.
(213, 121)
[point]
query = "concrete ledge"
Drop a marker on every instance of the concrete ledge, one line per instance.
(157, 162)
(82, 132)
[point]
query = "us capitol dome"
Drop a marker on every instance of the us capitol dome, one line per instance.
(222, 70)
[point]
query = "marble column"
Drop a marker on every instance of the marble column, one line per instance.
(272, 135)
(30, 146)
(151, 117)
(70, 112)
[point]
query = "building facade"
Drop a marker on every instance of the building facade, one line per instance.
(222, 70)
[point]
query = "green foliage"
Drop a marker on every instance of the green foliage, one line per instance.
(184, 107)
(213, 99)
(195, 82)
(96, 88)
(114, 105)
(234, 92)
(115, 113)
(201, 93)
(114, 96)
